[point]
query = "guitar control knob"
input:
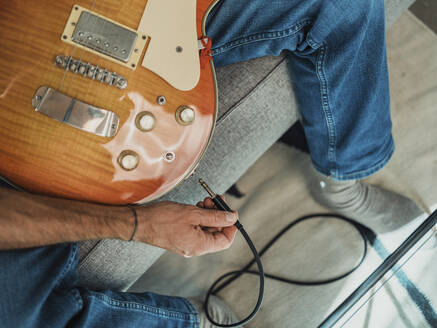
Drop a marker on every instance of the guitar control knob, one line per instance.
(145, 121)
(185, 115)
(128, 160)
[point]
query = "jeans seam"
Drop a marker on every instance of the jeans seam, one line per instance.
(261, 36)
(313, 44)
(195, 312)
(363, 173)
(72, 256)
(324, 94)
(77, 297)
(130, 305)
(73, 293)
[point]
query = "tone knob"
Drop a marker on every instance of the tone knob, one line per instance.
(185, 115)
(128, 160)
(145, 121)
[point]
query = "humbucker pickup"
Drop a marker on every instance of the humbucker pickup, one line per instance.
(103, 36)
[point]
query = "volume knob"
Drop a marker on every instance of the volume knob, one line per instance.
(185, 115)
(145, 121)
(128, 160)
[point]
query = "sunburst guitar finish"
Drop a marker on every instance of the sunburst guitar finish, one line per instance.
(48, 156)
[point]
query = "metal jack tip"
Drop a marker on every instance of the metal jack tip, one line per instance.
(207, 188)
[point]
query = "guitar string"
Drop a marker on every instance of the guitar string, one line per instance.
(100, 59)
(72, 54)
(81, 55)
(83, 51)
(116, 18)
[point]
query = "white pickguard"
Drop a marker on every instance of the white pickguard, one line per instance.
(171, 25)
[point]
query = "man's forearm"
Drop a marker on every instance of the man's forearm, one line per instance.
(28, 220)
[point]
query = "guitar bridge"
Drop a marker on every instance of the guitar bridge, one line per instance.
(92, 72)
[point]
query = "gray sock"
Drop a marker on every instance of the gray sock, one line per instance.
(378, 209)
(220, 312)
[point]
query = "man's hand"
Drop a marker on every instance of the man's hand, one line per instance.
(185, 229)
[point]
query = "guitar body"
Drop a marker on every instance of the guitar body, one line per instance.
(43, 155)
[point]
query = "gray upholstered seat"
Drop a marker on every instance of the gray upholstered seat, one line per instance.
(256, 106)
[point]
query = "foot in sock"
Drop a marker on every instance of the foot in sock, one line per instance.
(217, 309)
(377, 208)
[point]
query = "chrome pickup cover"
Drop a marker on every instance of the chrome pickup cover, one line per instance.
(75, 113)
(104, 36)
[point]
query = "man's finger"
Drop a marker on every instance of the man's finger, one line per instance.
(212, 229)
(230, 233)
(217, 241)
(215, 218)
(209, 203)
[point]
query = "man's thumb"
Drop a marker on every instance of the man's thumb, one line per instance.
(215, 218)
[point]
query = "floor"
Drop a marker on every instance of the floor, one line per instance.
(275, 194)
(426, 11)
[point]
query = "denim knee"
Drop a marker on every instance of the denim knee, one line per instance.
(343, 89)
(342, 21)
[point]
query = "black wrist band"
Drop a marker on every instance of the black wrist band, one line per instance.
(136, 223)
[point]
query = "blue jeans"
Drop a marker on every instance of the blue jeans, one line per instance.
(338, 62)
(39, 289)
(339, 67)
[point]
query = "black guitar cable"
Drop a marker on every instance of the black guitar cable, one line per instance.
(221, 205)
(233, 275)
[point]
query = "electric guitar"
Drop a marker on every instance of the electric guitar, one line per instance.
(103, 100)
